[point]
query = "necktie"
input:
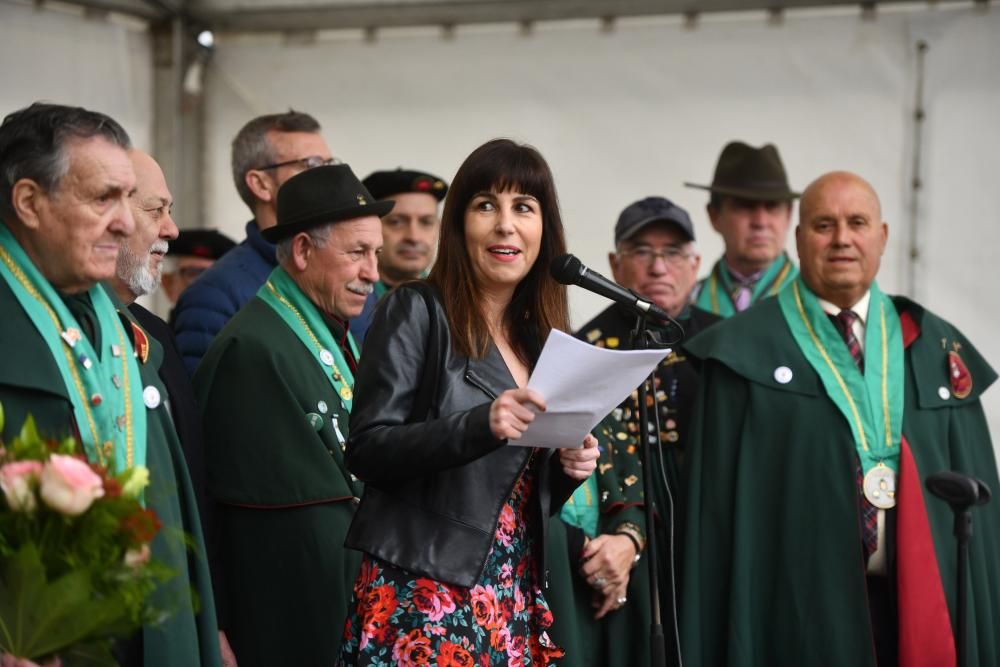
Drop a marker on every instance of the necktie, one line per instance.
(844, 321)
(741, 295)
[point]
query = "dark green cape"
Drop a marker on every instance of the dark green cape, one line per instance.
(623, 635)
(30, 383)
(285, 498)
(773, 571)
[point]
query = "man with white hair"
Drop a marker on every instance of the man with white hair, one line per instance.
(276, 391)
(138, 273)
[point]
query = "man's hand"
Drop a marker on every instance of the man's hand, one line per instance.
(611, 601)
(607, 561)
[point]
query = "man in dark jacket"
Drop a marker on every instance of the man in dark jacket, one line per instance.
(193, 252)
(266, 152)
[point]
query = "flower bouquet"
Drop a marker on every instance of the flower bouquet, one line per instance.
(75, 571)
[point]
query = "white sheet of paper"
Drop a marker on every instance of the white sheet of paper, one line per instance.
(581, 385)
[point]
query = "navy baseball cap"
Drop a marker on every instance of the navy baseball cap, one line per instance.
(650, 210)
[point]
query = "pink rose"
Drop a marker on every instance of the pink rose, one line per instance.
(136, 558)
(69, 486)
(17, 480)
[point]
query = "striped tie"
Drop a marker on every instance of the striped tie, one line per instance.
(844, 321)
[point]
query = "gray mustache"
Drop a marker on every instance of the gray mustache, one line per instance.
(363, 288)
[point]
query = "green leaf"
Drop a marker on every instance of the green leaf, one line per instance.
(39, 618)
(29, 432)
(93, 654)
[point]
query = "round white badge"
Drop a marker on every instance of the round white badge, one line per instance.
(782, 374)
(944, 393)
(323, 407)
(326, 357)
(879, 485)
(151, 397)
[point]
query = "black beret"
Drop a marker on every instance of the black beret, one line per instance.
(206, 243)
(384, 184)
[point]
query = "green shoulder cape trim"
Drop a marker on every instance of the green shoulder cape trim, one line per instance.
(871, 402)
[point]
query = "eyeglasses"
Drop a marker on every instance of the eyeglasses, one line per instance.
(646, 255)
(309, 162)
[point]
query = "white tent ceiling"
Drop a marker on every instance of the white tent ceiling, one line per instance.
(270, 15)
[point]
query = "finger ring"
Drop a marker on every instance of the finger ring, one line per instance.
(622, 600)
(599, 582)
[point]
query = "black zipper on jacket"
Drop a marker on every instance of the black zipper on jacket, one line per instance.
(472, 379)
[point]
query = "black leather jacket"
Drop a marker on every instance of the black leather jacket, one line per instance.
(435, 476)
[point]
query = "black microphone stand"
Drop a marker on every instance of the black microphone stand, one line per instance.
(643, 339)
(961, 492)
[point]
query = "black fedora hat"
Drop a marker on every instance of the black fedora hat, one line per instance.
(320, 196)
(750, 173)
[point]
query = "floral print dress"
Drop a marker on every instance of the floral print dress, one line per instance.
(402, 619)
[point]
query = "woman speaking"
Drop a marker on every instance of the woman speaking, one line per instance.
(454, 516)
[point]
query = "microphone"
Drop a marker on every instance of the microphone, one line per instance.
(569, 270)
(958, 490)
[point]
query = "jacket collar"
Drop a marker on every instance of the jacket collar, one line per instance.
(256, 241)
(490, 374)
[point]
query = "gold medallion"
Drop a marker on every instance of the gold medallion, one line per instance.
(346, 393)
(880, 486)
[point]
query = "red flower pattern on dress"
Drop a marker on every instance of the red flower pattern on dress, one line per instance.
(366, 576)
(506, 575)
(515, 652)
(506, 525)
(498, 622)
(542, 648)
(429, 598)
(485, 608)
(376, 610)
(451, 654)
(519, 605)
(499, 639)
(412, 649)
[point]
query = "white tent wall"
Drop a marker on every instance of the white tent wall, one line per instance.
(61, 55)
(641, 107)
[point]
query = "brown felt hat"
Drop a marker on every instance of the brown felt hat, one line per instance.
(750, 173)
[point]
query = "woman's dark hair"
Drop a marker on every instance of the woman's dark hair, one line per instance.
(539, 303)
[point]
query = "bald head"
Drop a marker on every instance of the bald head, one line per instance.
(841, 237)
(837, 180)
(140, 257)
